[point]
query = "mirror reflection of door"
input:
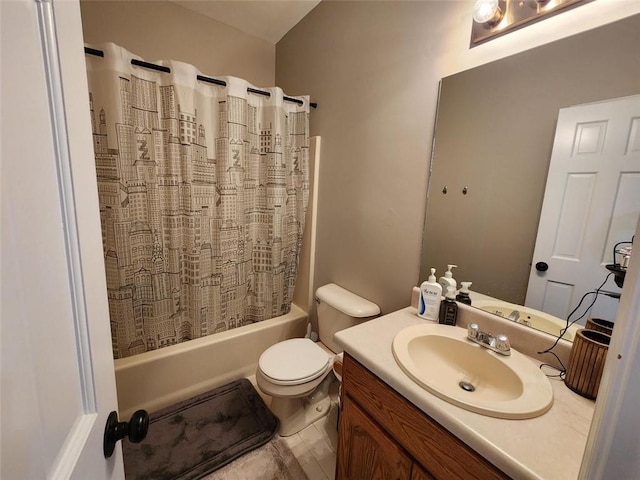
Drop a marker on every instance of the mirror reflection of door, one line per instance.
(591, 202)
(494, 134)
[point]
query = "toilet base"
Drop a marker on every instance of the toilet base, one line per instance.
(295, 414)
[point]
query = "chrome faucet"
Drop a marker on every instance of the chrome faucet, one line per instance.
(499, 344)
(514, 316)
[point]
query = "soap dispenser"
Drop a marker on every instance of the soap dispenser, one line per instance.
(449, 308)
(430, 298)
(447, 280)
(463, 294)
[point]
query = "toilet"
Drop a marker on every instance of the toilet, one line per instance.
(297, 373)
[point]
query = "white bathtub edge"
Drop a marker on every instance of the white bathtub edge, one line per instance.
(157, 379)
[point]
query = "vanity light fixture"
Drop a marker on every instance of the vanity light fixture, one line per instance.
(497, 17)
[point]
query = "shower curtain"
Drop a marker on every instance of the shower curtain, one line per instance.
(203, 190)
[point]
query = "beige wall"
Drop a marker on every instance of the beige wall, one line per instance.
(374, 69)
(158, 30)
(369, 66)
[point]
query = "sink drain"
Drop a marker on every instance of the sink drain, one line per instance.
(466, 386)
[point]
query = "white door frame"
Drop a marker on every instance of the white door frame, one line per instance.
(612, 445)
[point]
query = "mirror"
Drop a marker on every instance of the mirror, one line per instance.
(494, 135)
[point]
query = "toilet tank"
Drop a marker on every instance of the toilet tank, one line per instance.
(339, 309)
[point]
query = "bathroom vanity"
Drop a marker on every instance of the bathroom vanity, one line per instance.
(409, 444)
(392, 426)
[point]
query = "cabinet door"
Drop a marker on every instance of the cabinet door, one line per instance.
(365, 451)
(419, 474)
(427, 442)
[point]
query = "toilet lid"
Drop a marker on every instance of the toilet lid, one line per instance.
(294, 361)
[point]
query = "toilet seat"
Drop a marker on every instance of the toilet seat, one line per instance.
(294, 362)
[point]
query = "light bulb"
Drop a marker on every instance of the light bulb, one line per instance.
(487, 11)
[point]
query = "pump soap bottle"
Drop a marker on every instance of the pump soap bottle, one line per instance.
(449, 308)
(430, 298)
(447, 280)
(463, 294)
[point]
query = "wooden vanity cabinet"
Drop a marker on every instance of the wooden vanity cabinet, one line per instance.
(371, 453)
(384, 436)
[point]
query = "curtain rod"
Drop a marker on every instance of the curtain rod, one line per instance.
(202, 78)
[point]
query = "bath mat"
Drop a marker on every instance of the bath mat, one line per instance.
(198, 436)
(272, 461)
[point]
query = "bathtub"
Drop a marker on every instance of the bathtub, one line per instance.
(157, 379)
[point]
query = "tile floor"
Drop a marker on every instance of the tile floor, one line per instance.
(315, 447)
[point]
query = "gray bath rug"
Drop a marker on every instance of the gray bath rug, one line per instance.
(193, 438)
(273, 461)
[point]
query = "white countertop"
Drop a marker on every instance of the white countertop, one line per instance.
(547, 447)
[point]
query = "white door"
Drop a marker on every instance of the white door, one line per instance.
(58, 382)
(591, 202)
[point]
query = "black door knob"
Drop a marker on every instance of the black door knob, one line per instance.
(542, 266)
(136, 429)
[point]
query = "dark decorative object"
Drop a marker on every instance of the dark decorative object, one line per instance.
(198, 436)
(618, 273)
(621, 257)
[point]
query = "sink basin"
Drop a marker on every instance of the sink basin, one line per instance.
(441, 360)
(530, 317)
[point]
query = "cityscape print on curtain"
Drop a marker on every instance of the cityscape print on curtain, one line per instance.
(203, 191)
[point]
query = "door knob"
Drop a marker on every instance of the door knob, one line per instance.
(542, 266)
(136, 429)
